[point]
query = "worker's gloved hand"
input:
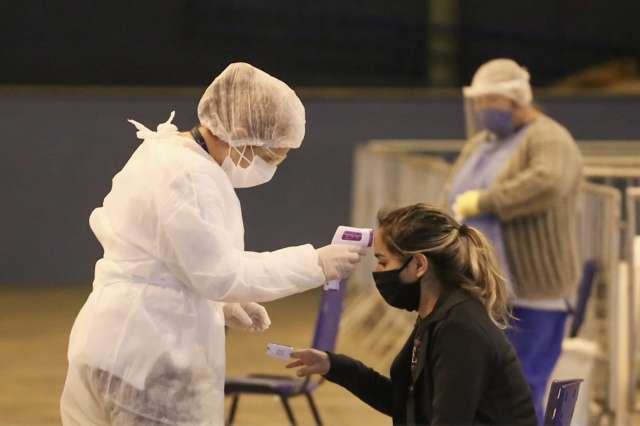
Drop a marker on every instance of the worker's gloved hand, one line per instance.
(259, 316)
(249, 316)
(338, 260)
(466, 205)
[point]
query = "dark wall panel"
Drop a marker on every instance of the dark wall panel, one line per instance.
(373, 42)
(553, 38)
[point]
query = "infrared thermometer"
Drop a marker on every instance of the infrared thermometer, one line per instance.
(359, 237)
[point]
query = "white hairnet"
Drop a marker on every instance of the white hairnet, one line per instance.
(501, 77)
(247, 106)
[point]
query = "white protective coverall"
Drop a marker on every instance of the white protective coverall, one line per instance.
(148, 346)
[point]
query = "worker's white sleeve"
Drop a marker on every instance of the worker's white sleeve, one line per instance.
(201, 250)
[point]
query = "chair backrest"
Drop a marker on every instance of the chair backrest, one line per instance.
(561, 403)
(328, 319)
(584, 291)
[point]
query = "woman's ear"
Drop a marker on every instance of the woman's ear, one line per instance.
(422, 265)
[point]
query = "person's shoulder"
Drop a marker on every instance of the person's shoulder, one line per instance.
(176, 173)
(466, 318)
(546, 128)
(175, 151)
(468, 324)
(178, 161)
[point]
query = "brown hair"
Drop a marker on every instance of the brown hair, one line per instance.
(459, 255)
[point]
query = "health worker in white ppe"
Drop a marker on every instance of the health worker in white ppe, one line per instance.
(147, 348)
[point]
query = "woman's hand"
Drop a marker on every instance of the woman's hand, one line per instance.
(314, 362)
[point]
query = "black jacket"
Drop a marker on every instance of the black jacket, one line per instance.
(465, 372)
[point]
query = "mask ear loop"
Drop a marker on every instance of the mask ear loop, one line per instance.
(229, 152)
(243, 157)
(241, 154)
(406, 263)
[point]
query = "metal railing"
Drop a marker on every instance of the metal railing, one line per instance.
(632, 249)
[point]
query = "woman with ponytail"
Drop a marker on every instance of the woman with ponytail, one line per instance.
(457, 367)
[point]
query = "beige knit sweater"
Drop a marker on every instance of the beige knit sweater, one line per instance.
(535, 198)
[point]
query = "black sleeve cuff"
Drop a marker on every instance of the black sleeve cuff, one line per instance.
(341, 368)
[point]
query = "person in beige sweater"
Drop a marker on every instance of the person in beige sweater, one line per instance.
(517, 181)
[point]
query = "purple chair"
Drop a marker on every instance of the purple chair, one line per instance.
(324, 339)
(589, 273)
(561, 402)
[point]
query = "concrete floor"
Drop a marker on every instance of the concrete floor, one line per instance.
(34, 328)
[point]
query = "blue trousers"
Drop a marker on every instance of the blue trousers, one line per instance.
(536, 335)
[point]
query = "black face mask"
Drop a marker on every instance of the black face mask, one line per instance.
(395, 292)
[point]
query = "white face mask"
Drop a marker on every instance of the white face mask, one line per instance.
(256, 173)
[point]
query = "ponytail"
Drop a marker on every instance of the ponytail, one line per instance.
(486, 282)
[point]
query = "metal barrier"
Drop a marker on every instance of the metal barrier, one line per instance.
(395, 173)
(599, 231)
(632, 249)
(612, 162)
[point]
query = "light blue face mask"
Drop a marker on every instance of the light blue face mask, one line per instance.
(497, 121)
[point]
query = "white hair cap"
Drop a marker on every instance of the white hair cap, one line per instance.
(247, 106)
(502, 77)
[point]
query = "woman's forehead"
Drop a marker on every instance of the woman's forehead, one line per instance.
(379, 243)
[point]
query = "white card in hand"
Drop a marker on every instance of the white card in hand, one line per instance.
(279, 351)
